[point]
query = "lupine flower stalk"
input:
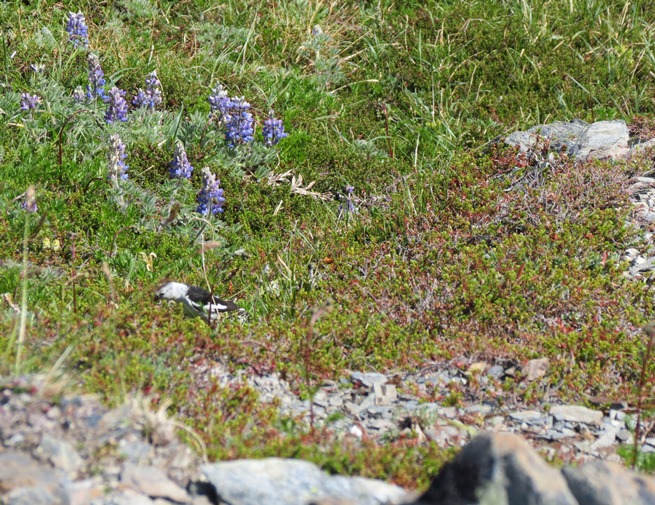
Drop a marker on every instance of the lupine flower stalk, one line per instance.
(220, 103)
(180, 167)
(239, 127)
(29, 204)
(116, 155)
(78, 32)
(210, 198)
(78, 95)
(96, 78)
(117, 109)
(29, 102)
(273, 130)
(151, 96)
(349, 206)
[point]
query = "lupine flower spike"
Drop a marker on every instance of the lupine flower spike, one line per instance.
(117, 166)
(273, 130)
(348, 207)
(29, 102)
(96, 78)
(210, 197)
(78, 95)
(151, 97)
(117, 109)
(220, 103)
(78, 32)
(240, 123)
(180, 167)
(29, 204)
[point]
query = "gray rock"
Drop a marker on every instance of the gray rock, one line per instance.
(603, 139)
(559, 434)
(335, 401)
(376, 412)
(368, 379)
(625, 436)
(385, 394)
(17, 470)
(127, 497)
(496, 371)
(562, 135)
(380, 425)
(499, 469)
(61, 454)
(410, 404)
(526, 415)
(536, 369)
(600, 483)
(368, 401)
(576, 414)
(152, 482)
(14, 440)
(33, 496)
(83, 492)
(276, 481)
(631, 254)
(352, 409)
(480, 408)
(606, 439)
(618, 415)
(447, 412)
(134, 450)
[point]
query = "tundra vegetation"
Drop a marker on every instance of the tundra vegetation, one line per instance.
(297, 153)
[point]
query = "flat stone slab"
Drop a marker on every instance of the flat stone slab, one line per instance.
(600, 140)
(275, 481)
(576, 414)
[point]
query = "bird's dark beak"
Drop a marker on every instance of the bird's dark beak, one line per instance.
(157, 297)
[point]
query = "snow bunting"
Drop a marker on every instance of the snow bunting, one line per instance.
(197, 302)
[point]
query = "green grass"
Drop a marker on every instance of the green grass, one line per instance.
(442, 260)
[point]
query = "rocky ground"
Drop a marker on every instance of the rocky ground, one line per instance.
(57, 448)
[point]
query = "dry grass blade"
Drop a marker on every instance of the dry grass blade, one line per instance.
(296, 183)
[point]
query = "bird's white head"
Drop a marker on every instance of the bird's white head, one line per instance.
(169, 290)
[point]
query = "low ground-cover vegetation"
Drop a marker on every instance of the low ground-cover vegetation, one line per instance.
(385, 198)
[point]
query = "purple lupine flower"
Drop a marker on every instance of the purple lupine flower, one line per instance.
(78, 32)
(180, 167)
(349, 207)
(29, 102)
(116, 154)
(239, 127)
(210, 198)
(220, 103)
(117, 109)
(151, 97)
(78, 95)
(96, 78)
(273, 130)
(29, 204)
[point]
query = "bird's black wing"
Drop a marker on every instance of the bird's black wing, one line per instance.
(204, 298)
(200, 295)
(225, 303)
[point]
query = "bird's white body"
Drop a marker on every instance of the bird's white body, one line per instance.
(196, 301)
